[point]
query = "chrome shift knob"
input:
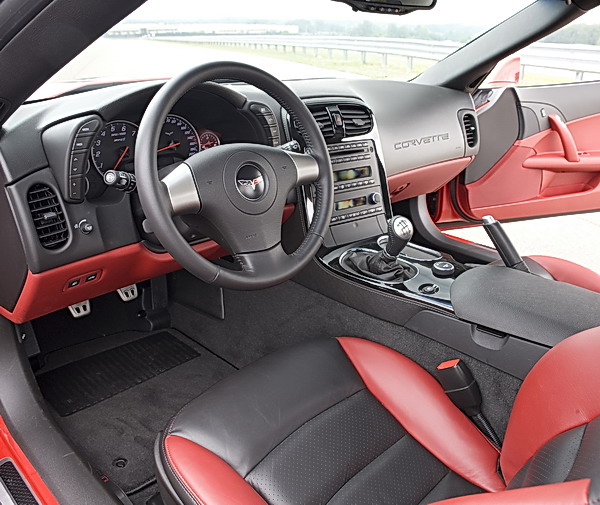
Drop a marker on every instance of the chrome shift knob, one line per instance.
(400, 231)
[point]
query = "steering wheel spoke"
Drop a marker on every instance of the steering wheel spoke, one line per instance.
(306, 166)
(182, 191)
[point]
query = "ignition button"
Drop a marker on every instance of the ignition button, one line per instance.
(429, 289)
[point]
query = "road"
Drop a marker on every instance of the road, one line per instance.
(145, 59)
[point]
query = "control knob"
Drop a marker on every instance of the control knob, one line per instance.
(374, 198)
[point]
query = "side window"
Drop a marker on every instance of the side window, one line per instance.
(571, 54)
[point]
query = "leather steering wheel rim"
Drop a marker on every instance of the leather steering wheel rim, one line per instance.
(257, 268)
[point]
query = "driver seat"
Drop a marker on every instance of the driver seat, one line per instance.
(348, 421)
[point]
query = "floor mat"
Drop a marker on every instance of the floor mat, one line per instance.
(117, 435)
(111, 372)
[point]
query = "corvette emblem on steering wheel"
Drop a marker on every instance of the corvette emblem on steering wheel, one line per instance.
(251, 182)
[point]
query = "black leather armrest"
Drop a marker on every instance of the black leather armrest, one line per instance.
(525, 305)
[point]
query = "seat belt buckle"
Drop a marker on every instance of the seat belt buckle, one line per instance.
(462, 389)
(460, 386)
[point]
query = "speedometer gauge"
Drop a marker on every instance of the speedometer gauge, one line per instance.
(178, 140)
(114, 146)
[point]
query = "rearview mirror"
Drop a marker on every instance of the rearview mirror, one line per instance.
(398, 7)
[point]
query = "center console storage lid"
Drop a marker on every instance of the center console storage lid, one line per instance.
(525, 305)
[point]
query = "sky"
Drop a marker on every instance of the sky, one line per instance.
(446, 11)
(465, 12)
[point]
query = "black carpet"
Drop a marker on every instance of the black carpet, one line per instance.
(84, 383)
(116, 436)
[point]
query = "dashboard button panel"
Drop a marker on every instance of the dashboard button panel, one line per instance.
(267, 119)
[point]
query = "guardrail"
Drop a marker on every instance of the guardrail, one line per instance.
(577, 58)
(382, 47)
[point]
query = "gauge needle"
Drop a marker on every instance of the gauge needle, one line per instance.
(121, 158)
(168, 147)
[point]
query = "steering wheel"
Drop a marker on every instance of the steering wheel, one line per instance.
(236, 193)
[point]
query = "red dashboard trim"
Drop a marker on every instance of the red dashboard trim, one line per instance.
(49, 291)
(426, 179)
(10, 449)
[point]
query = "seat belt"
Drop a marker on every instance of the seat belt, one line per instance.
(462, 389)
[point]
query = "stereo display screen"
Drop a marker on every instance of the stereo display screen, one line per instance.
(350, 204)
(351, 174)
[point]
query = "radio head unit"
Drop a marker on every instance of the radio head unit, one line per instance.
(359, 208)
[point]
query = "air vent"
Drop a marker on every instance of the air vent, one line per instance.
(323, 119)
(48, 217)
(357, 119)
(470, 126)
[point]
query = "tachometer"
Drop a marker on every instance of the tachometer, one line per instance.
(209, 139)
(114, 146)
(178, 140)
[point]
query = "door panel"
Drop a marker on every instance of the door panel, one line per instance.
(551, 167)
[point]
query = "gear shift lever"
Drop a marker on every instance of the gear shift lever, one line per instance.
(384, 265)
(400, 231)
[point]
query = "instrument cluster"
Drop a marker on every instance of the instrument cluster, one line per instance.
(113, 147)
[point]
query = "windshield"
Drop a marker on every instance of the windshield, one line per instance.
(307, 39)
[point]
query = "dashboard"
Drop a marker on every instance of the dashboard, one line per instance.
(71, 237)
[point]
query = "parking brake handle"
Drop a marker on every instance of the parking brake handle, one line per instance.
(503, 245)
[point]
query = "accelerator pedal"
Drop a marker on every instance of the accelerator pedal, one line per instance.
(128, 293)
(80, 309)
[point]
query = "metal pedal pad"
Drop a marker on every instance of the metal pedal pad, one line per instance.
(128, 293)
(80, 309)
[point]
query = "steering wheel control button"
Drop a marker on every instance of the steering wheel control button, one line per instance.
(443, 269)
(429, 289)
(250, 182)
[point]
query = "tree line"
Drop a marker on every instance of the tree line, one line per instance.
(571, 34)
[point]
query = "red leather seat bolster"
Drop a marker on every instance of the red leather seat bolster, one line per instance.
(419, 403)
(560, 393)
(206, 477)
(564, 493)
(569, 272)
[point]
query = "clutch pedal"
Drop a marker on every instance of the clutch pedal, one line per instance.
(128, 293)
(81, 309)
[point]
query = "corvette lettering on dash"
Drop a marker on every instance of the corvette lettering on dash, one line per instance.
(428, 139)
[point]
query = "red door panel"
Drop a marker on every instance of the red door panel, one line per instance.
(539, 155)
(534, 178)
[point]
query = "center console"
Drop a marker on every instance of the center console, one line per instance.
(357, 240)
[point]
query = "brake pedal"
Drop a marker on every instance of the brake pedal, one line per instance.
(81, 309)
(128, 293)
